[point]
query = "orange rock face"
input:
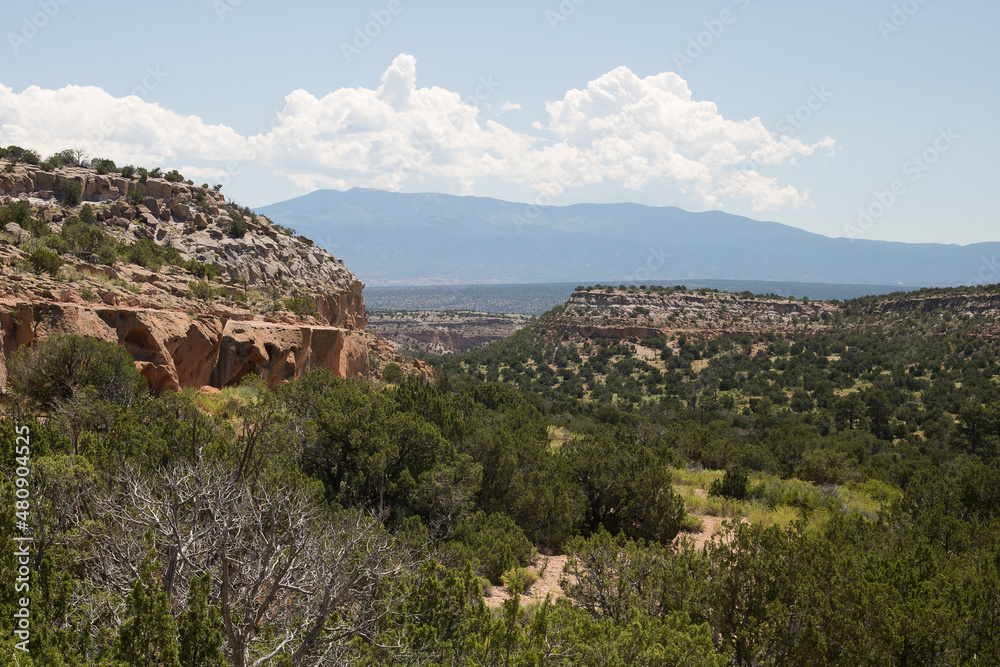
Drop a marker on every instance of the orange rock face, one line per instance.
(174, 350)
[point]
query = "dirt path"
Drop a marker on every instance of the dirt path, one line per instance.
(547, 583)
(550, 568)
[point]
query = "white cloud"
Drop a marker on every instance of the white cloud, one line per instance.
(646, 133)
(394, 137)
(126, 129)
(645, 138)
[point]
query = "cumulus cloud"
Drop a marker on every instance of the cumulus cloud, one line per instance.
(509, 106)
(393, 137)
(624, 132)
(642, 133)
(128, 129)
(647, 138)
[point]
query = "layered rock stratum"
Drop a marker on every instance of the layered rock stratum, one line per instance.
(180, 336)
(639, 313)
(444, 332)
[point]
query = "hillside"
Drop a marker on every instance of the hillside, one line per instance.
(407, 239)
(200, 291)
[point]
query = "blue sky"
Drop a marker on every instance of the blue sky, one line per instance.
(800, 112)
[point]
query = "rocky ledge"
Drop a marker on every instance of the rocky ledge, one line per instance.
(639, 313)
(181, 336)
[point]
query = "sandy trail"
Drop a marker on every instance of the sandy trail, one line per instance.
(551, 567)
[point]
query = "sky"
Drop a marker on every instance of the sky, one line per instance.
(867, 119)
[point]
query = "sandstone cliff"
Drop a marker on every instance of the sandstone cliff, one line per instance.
(239, 324)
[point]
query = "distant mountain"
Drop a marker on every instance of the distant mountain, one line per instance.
(393, 238)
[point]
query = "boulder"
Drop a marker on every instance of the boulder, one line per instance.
(179, 209)
(20, 235)
(45, 180)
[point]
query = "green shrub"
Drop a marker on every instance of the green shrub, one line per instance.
(143, 174)
(18, 154)
(128, 171)
(38, 228)
(174, 176)
(71, 191)
(493, 543)
(88, 295)
(155, 173)
(87, 214)
(732, 485)
(205, 271)
(44, 260)
(135, 197)
(145, 253)
(103, 165)
(239, 227)
(201, 289)
(18, 212)
(518, 580)
(692, 524)
(392, 374)
(302, 305)
(58, 366)
(88, 240)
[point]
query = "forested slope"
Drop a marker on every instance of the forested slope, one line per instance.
(331, 521)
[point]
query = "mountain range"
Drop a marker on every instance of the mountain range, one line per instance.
(392, 238)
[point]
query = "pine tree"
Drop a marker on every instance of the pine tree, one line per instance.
(148, 636)
(201, 628)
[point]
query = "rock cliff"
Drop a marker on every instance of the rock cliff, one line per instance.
(444, 332)
(279, 306)
(640, 313)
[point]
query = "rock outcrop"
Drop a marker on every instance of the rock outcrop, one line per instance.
(242, 323)
(637, 313)
(444, 332)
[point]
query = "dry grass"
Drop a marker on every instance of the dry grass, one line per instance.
(762, 515)
(226, 402)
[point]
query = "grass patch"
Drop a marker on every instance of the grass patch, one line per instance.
(762, 515)
(227, 402)
(701, 479)
(692, 524)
